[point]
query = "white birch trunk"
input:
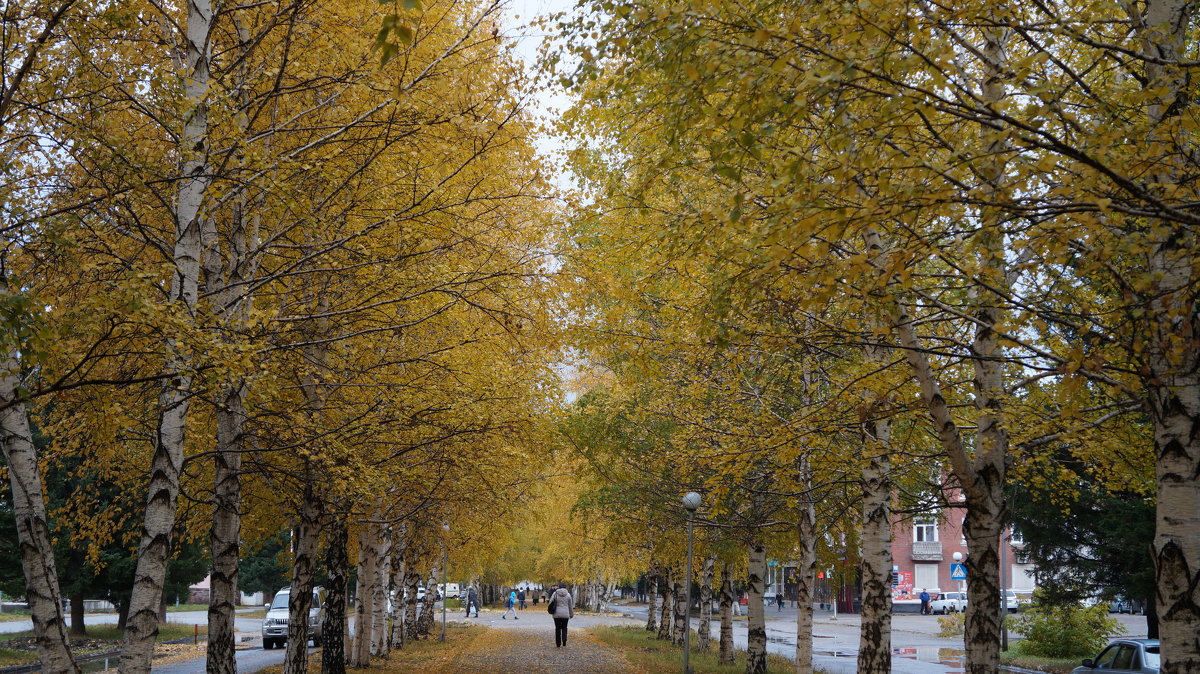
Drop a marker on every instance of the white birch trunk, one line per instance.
(664, 616)
(875, 633)
(159, 520)
(425, 620)
(333, 648)
(224, 272)
(225, 534)
(652, 600)
(806, 535)
(305, 537)
(379, 640)
(756, 637)
(681, 608)
(726, 653)
(361, 645)
(33, 531)
(411, 580)
(1171, 359)
(704, 629)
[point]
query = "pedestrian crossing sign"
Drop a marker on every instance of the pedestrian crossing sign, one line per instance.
(958, 571)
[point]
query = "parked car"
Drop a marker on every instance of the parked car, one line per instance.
(275, 624)
(1010, 601)
(949, 602)
(1124, 655)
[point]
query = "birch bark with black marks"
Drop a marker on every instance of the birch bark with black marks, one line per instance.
(159, 520)
(875, 632)
(305, 539)
(681, 608)
(33, 530)
(396, 586)
(980, 474)
(806, 564)
(383, 564)
(411, 580)
(28, 502)
(425, 620)
(333, 651)
(1170, 370)
(726, 651)
(704, 629)
(360, 649)
(664, 616)
(226, 266)
(226, 531)
(756, 626)
(652, 600)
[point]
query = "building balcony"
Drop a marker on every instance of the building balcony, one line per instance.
(927, 551)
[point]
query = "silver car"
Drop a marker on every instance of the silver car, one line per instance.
(275, 624)
(1124, 655)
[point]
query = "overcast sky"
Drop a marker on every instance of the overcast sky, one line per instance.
(521, 14)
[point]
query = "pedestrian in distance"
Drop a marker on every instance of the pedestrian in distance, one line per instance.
(924, 597)
(779, 599)
(472, 601)
(521, 599)
(510, 604)
(562, 607)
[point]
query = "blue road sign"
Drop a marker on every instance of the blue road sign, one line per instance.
(958, 571)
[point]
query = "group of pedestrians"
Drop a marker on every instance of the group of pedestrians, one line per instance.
(561, 608)
(516, 600)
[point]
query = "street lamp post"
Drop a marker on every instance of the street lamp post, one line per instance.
(691, 501)
(1003, 593)
(958, 556)
(445, 575)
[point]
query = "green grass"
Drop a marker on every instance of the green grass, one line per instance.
(11, 658)
(13, 614)
(655, 656)
(187, 607)
(1013, 656)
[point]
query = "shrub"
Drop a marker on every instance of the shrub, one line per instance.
(1065, 631)
(952, 625)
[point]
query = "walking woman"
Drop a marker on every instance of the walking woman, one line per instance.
(564, 610)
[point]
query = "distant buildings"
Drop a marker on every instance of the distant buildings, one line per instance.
(922, 554)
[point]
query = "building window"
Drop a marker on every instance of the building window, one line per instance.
(1016, 537)
(925, 530)
(925, 577)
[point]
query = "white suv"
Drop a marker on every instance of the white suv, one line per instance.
(275, 624)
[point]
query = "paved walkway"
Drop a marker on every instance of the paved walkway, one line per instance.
(528, 650)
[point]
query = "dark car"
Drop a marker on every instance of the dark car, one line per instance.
(1124, 655)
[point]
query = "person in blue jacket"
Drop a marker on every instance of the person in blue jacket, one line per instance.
(511, 605)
